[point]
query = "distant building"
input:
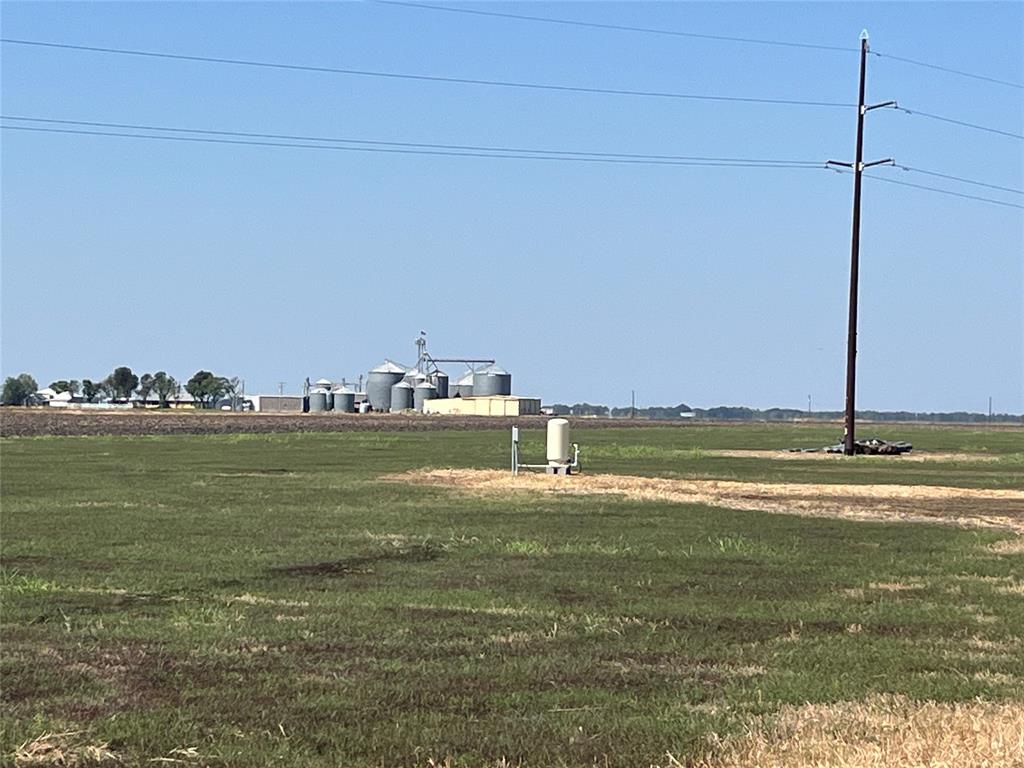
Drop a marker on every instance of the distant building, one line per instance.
(276, 403)
(491, 405)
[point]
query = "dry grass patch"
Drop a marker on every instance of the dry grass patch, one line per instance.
(63, 749)
(1009, 546)
(895, 586)
(890, 731)
(969, 507)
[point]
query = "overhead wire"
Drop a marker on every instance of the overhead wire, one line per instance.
(619, 27)
(244, 138)
(429, 78)
(944, 191)
(409, 144)
(962, 123)
(720, 163)
(697, 35)
(958, 178)
(938, 190)
(949, 70)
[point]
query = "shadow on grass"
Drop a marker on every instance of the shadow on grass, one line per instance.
(363, 564)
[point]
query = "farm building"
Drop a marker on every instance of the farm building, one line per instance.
(277, 403)
(490, 405)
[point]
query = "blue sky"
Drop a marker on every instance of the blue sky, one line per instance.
(704, 285)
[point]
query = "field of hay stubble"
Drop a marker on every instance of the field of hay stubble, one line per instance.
(250, 600)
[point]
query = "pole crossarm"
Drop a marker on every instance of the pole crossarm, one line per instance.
(884, 104)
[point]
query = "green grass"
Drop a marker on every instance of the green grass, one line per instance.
(267, 600)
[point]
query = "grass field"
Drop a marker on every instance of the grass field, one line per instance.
(256, 600)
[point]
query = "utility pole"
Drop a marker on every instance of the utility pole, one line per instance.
(858, 167)
(632, 404)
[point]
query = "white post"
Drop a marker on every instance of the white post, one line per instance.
(515, 450)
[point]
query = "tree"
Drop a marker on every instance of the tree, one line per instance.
(207, 388)
(236, 391)
(90, 389)
(122, 382)
(63, 385)
(107, 389)
(145, 386)
(164, 386)
(17, 390)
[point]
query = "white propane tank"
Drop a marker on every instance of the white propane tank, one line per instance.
(558, 441)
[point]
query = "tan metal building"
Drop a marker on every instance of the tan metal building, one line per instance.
(276, 403)
(491, 405)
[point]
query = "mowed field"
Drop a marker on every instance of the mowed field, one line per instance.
(337, 600)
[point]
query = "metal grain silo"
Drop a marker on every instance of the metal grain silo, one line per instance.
(330, 401)
(422, 393)
(441, 382)
(379, 383)
(344, 400)
(492, 380)
(463, 386)
(401, 396)
(317, 401)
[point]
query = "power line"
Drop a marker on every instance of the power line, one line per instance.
(697, 35)
(409, 144)
(618, 27)
(436, 152)
(949, 70)
(428, 78)
(960, 179)
(975, 126)
(937, 189)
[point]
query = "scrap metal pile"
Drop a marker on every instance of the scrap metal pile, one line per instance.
(871, 446)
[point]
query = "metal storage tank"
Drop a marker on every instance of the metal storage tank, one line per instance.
(441, 382)
(379, 383)
(463, 386)
(558, 441)
(330, 401)
(492, 380)
(317, 401)
(344, 401)
(401, 396)
(422, 393)
(415, 377)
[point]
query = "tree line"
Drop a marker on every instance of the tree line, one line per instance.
(205, 388)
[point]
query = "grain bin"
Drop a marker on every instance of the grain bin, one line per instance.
(422, 393)
(463, 386)
(492, 380)
(330, 400)
(317, 401)
(441, 383)
(401, 396)
(379, 383)
(344, 400)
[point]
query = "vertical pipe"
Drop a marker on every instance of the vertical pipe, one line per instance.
(851, 333)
